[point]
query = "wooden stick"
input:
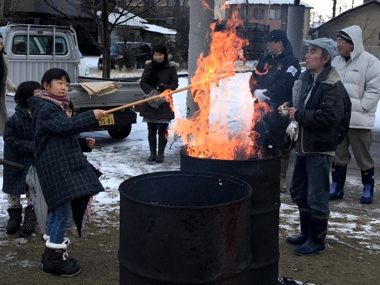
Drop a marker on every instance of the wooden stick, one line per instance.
(165, 93)
(11, 163)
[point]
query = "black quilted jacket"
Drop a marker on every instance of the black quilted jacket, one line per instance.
(63, 171)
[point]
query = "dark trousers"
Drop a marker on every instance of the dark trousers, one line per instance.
(162, 130)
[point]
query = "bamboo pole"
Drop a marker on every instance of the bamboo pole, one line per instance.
(11, 163)
(165, 93)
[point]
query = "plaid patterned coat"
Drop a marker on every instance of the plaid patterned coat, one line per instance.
(63, 170)
(18, 147)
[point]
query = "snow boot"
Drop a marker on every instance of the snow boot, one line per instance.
(368, 180)
(316, 241)
(305, 218)
(30, 222)
(15, 217)
(338, 179)
(152, 146)
(160, 158)
(56, 261)
(65, 240)
(162, 140)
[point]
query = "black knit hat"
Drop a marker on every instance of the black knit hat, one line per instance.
(344, 36)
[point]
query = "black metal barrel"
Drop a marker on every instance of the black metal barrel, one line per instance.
(264, 177)
(181, 227)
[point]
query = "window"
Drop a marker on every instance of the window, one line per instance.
(242, 14)
(151, 3)
(274, 14)
(258, 14)
(39, 45)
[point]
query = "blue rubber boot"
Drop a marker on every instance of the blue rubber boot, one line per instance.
(305, 218)
(316, 242)
(338, 178)
(368, 180)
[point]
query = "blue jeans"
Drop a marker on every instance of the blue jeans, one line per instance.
(58, 222)
(310, 183)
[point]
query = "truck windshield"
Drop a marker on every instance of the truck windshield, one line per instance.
(39, 45)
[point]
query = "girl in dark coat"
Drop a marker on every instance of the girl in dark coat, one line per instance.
(18, 147)
(63, 171)
(159, 75)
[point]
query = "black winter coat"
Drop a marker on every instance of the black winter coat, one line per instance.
(168, 76)
(282, 71)
(18, 147)
(322, 120)
(63, 170)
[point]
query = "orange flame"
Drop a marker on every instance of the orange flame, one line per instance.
(265, 71)
(206, 6)
(205, 134)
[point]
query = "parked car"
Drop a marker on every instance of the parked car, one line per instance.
(144, 52)
(83, 65)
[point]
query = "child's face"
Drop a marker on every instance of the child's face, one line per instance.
(58, 87)
(36, 92)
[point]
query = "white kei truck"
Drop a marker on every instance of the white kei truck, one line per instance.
(33, 49)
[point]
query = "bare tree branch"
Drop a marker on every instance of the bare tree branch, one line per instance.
(99, 11)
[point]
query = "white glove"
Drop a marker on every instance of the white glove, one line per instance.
(292, 130)
(259, 94)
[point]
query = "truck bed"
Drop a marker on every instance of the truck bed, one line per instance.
(128, 93)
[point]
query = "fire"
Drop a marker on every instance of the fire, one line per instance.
(207, 134)
(265, 71)
(206, 6)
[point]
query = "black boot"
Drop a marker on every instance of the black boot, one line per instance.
(162, 141)
(368, 180)
(56, 261)
(152, 146)
(338, 174)
(15, 217)
(45, 237)
(305, 218)
(317, 234)
(30, 222)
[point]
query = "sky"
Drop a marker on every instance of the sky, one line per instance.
(324, 7)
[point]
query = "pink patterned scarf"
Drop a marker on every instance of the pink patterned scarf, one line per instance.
(60, 100)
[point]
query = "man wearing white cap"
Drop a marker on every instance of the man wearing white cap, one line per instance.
(360, 74)
(318, 113)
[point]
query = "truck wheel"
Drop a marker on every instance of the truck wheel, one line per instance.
(120, 134)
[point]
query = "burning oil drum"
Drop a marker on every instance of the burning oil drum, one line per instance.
(263, 175)
(182, 227)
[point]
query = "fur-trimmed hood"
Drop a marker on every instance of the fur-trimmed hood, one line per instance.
(169, 64)
(328, 76)
(332, 77)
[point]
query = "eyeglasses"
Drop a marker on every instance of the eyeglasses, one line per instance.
(340, 41)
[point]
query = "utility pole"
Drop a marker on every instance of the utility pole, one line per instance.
(246, 14)
(334, 8)
(105, 40)
(1, 9)
(199, 41)
(295, 27)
